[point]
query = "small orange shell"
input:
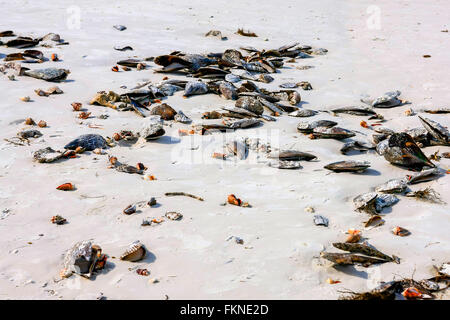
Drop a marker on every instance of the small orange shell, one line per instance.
(233, 200)
(54, 57)
(42, 124)
(84, 115)
(165, 78)
(412, 292)
(331, 281)
(117, 136)
(65, 186)
(76, 106)
(79, 149)
(30, 122)
(363, 124)
(142, 272)
(217, 155)
(353, 238)
(115, 69)
(141, 166)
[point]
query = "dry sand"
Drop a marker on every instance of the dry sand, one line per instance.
(192, 258)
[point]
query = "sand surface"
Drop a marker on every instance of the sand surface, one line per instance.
(192, 258)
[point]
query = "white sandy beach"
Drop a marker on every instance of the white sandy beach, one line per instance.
(191, 258)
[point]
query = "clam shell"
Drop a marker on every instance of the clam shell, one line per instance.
(135, 252)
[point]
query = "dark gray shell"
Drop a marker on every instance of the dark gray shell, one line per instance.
(194, 88)
(228, 91)
(348, 166)
(292, 155)
(303, 113)
(251, 104)
(88, 142)
(332, 133)
(48, 74)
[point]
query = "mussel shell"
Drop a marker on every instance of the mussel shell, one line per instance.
(292, 155)
(88, 142)
(348, 166)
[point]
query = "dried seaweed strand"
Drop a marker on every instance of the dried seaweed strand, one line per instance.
(172, 194)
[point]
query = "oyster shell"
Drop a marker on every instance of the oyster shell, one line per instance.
(195, 88)
(152, 130)
(182, 118)
(303, 113)
(48, 74)
(165, 111)
(47, 155)
(308, 127)
(392, 186)
(251, 104)
(438, 132)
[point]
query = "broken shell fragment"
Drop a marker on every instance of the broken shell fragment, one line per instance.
(392, 186)
(143, 272)
(172, 215)
(87, 141)
(399, 231)
(42, 124)
(374, 221)
(30, 122)
(320, 220)
(130, 209)
(58, 220)
(66, 187)
(165, 111)
(135, 252)
(47, 155)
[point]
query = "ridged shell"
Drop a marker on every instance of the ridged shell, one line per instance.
(135, 252)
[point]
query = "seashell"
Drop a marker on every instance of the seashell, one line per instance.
(303, 113)
(356, 145)
(87, 141)
(355, 110)
(58, 220)
(98, 151)
(79, 150)
(143, 272)
(392, 186)
(399, 231)
(76, 106)
(422, 176)
(54, 90)
(232, 78)
(228, 91)
(374, 221)
(289, 85)
(308, 127)
(81, 258)
(31, 133)
(46, 155)
(366, 202)
(135, 252)
(119, 27)
(244, 123)
(152, 130)
(48, 74)
(438, 132)
(195, 88)
(291, 155)
(151, 202)
(66, 187)
(42, 124)
(173, 215)
(320, 221)
(265, 78)
(348, 166)
(387, 100)
(41, 93)
(305, 85)
(332, 133)
(30, 122)
(251, 104)
(84, 115)
(385, 200)
(130, 209)
(403, 151)
(25, 99)
(182, 118)
(285, 164)
(165, 111)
